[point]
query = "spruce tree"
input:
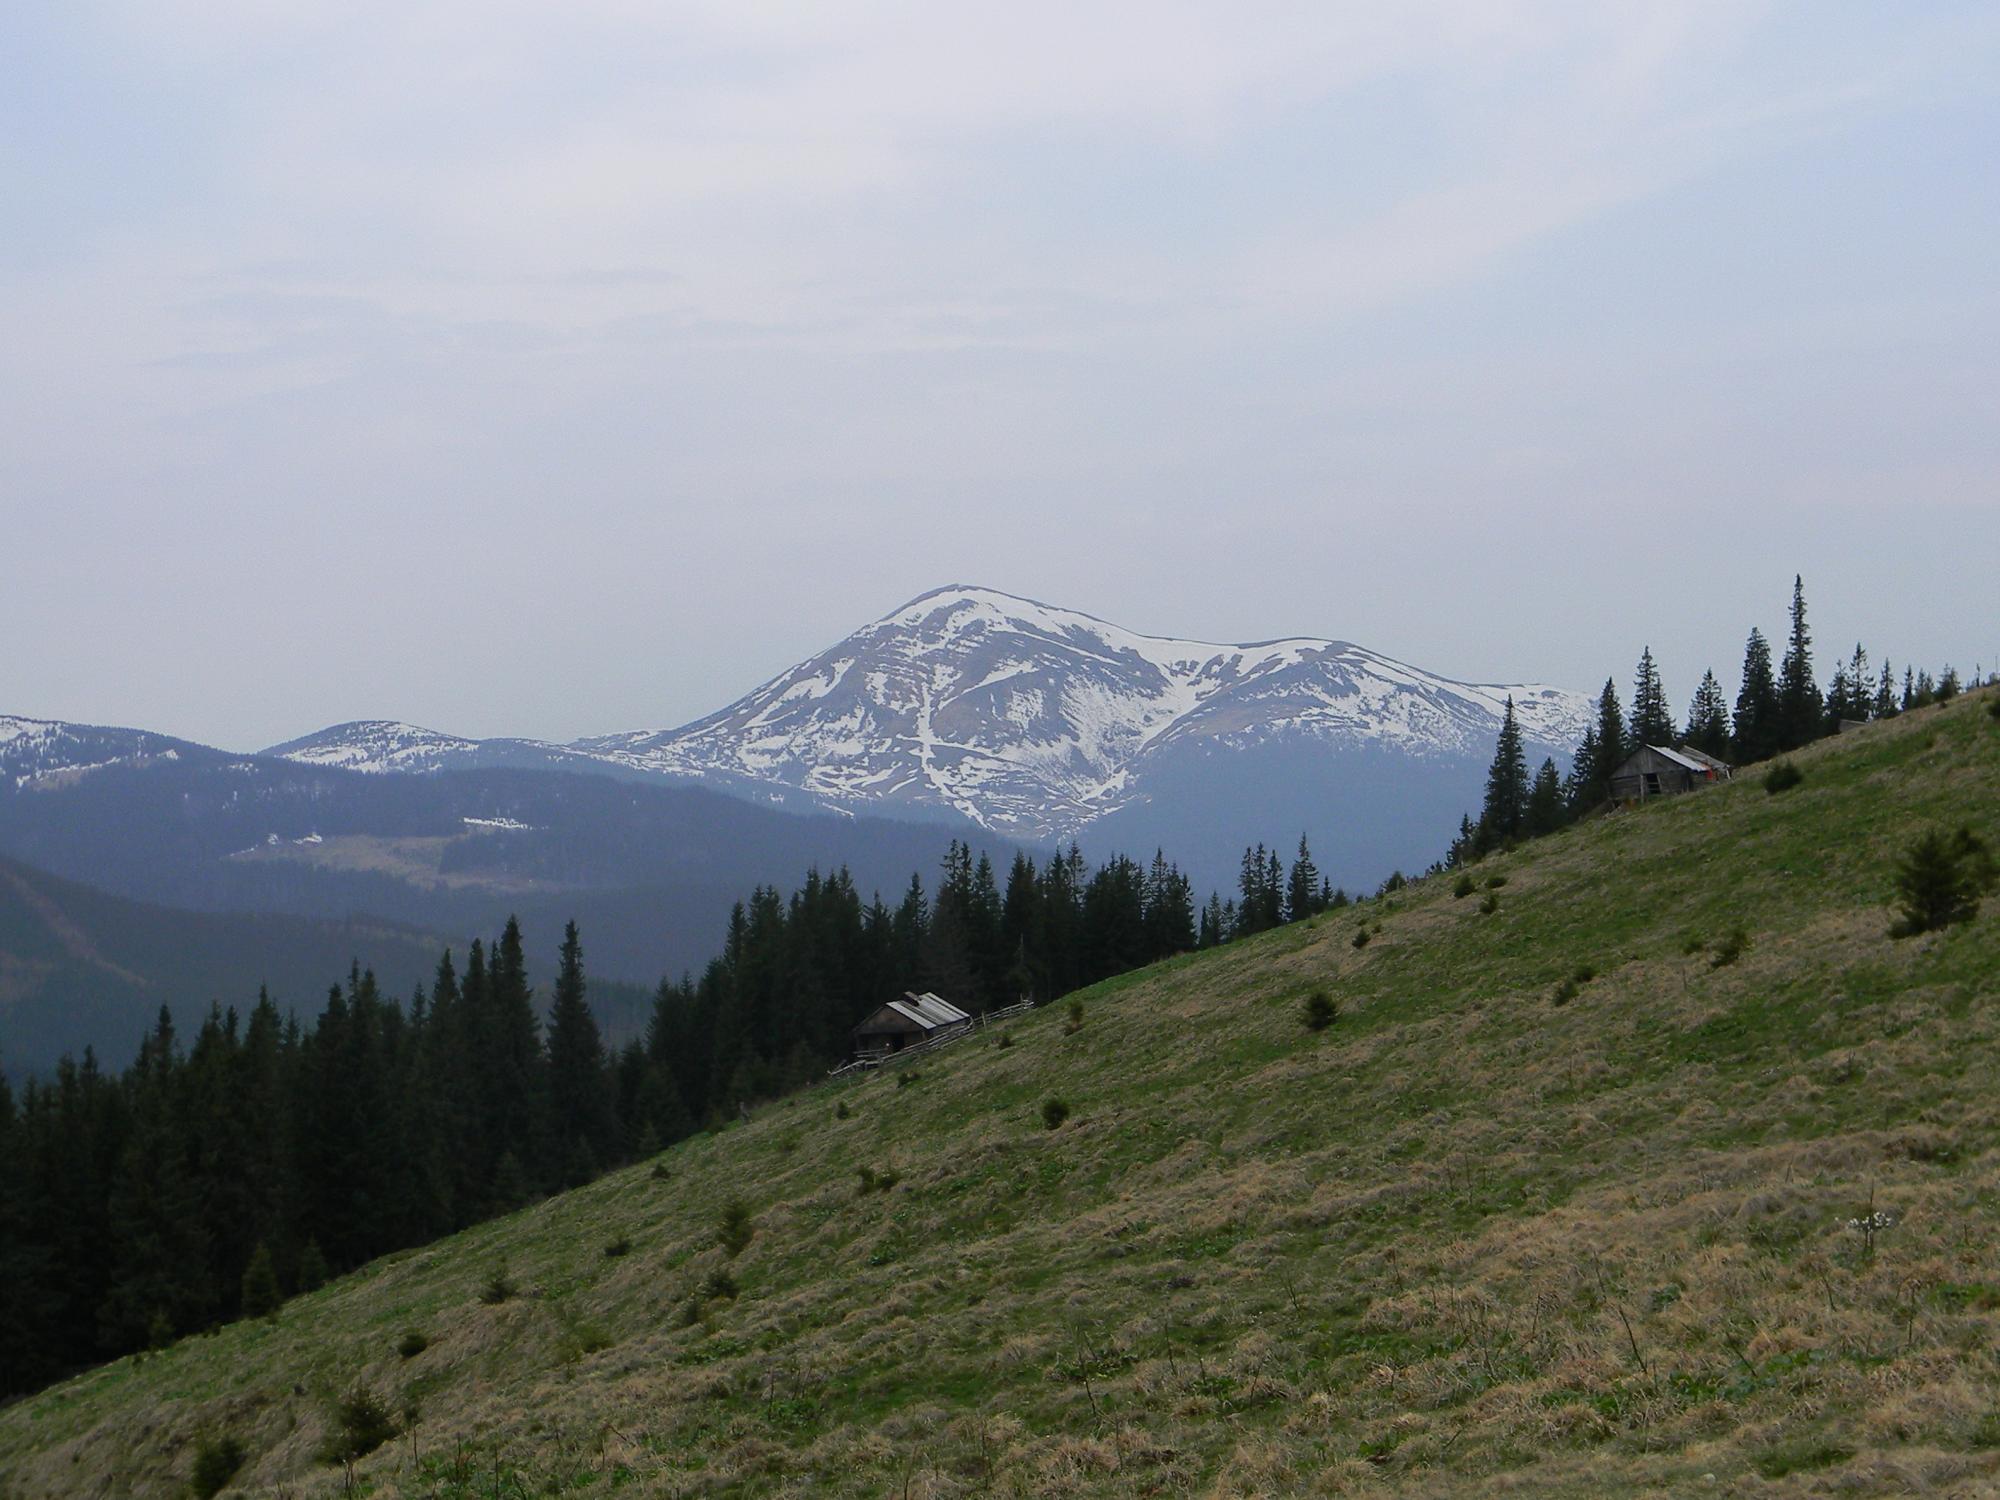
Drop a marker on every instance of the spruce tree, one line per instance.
(1652, 724)
(1250, 887)
(1861, 703)
(1886, 706)
(1545, 801)
(1504, 814)
(313, 1269)
(1213, 931)
(516, 1104)
(1612, 743)
(1800, 706)
(1708, 719)
(584, 1132)
(261, 1296)
(1756, 734)
(1302, 888)
(1585, 777)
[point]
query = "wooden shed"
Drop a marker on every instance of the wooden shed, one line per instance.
(906, 1022)
(1658, 771)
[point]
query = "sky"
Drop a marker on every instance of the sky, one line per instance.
(550, 370)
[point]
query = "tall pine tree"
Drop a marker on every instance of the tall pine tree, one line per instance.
(1800, 707)
(583, 1130)
(1302, 888)
(1757, 731)
(1652, 723)
(1545, 801)
(1708, 719)
(1504, 815)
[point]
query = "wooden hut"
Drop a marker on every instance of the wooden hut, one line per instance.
(1658, 771)
(906, 1022)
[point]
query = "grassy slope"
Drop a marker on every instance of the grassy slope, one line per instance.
(1465, 1240)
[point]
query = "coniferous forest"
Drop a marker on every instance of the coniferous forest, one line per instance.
(261, 1152)
(1779, 707)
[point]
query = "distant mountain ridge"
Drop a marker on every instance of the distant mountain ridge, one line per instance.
(964, 713)
(1031, 721)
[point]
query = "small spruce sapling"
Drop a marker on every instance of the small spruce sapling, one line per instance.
(313, 1270)
(216, 1460)
(361, 1425)
(1782, 778)
(735, 1228)
(1321, 1011)
(261, 1297)
(1939, 881)
(1054, 1112)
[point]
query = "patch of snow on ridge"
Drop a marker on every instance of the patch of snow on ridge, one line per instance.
(12, 728)
(1032, 719)
(374, 747)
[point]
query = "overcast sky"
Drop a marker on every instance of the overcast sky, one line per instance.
(554, 369)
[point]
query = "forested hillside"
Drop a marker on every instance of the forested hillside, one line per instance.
(1651, 1162)
(246, 1153)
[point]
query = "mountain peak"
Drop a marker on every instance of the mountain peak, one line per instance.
(375, 745)
(1036, 720)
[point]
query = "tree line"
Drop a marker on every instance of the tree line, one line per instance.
(226, 1170)
(1779, 707)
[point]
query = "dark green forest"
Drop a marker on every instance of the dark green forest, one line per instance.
(229, 1168)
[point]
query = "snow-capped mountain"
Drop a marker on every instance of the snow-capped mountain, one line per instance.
(379, 746)
(968, 707)
(1041, 723)
(1036, 722)
(382, 746)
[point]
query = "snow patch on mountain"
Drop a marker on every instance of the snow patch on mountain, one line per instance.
(45, 753)
(1031, 720)
(377, 747)
(1034, 720)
